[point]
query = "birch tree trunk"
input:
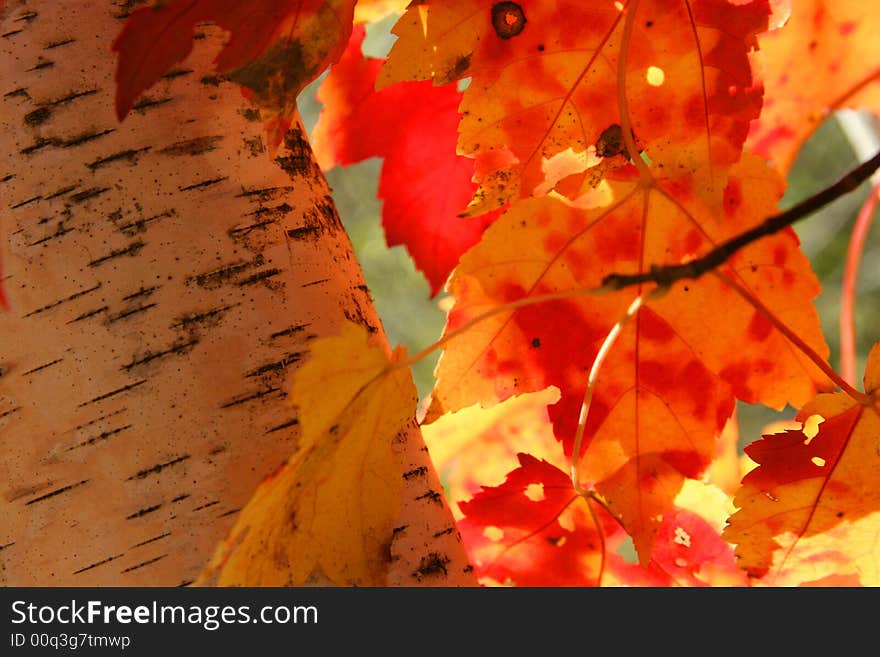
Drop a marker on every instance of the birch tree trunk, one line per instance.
(164, 278)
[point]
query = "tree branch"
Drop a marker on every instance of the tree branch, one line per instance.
(666, 275)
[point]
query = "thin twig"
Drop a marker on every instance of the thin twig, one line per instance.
(666, 275)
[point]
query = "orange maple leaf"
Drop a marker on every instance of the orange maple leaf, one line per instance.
(668, 386)
(546, 77)
(826, 57)
(807, 483)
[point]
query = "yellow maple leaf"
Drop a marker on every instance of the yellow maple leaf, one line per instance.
(327, 515)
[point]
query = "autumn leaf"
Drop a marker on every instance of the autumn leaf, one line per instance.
(275, 48)
(548, 77)
(533, 530)
(825, 58)
(808, 482)
(423, 183)
(668, 385)
(327, 516)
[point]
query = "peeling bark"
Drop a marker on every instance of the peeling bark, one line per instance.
(164, 278)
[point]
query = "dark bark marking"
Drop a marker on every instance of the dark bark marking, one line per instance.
(318, 282)
(251, 114)
(90, 313)
(140, 226)
(86, 137)
(89, 193)
(41, 64)
(10, 412)
(180, 498)
(203, 184)
(57, 491)
(98, 563)
(104, 435)
(205, 506)
(73, 296)
(42, 367)
(38, 145)
(60, 231)
(146, 103)
(250, 397)
(397, 530)
(266, 193)
(259, 276)
(300, 163)
(185, 583)
(151, 540)
(61, 192)
(143, 292)
(131, 250)
(142, 512)
(285, 425)
(211, 80)
(255, 146)
(58, 44)
(143, 563)
(228, 513)
(277, 212)
(245, 230)
(27, 17)
(25, 202)
(21, 91)
(37, 116)
(130, 154)
(432, 564)
(431, 495)
(6, 35)
(3, 547)
(288, 331)
(98, 419)
(209, 317)
(114, 392)
(318, 221)
(443, 532)
(420, 471)
(128, 313)
(193, 146)
(304, 232)
(276, 366)
(142, 474)
(217, 277)
(179, 348)
(64, 100)
(7, 178)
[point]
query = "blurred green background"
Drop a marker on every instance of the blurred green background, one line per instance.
(413, 319)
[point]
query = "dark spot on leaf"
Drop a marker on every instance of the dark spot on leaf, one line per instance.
(611, 142)
(536, 342)
(508, 19)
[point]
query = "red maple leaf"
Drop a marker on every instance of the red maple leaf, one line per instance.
(424, 183)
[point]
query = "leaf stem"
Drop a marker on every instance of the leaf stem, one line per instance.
(666, 275)
(847, 301)
(604, 350)
(622, 101)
